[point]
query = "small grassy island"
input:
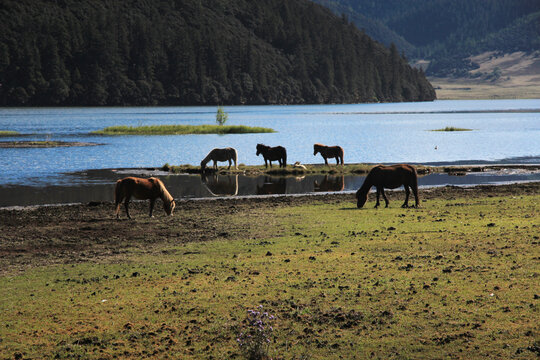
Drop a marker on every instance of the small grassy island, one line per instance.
(451, 128)
(9, 133)
(181, 130)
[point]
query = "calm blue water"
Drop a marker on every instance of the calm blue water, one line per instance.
(503, 131)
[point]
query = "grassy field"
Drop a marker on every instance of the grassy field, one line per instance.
(456, 278)
(181, 130)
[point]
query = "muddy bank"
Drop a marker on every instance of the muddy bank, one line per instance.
(43, 235)
(43, 144)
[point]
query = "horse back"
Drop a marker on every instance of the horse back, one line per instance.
(139, 188)
(394, 176)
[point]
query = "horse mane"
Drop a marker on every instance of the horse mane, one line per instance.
(207, 158)
(164, 194)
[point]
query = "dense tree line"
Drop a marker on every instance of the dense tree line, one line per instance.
(447, 31)
(191, 52)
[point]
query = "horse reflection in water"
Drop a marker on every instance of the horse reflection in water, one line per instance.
(221, 185)
(330, 183)
(272, 186)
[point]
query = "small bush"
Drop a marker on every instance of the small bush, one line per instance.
(255, 339)
(221, 116)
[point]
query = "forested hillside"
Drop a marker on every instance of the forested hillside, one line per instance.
(448, 31)
(193, 52)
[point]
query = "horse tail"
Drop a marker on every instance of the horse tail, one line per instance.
(118, 195)
(235, 158)
(341, 153)
(414, 185)
(284, 157)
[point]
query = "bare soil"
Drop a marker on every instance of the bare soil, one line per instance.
(45, 235)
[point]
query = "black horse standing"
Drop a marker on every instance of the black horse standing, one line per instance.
(272, 153)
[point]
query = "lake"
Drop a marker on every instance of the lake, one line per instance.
(503, 131)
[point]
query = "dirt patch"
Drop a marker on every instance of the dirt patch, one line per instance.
(37, 236)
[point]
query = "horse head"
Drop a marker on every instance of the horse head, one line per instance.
(316, 149)
(361, 198)
(169, 207)
(260, 148)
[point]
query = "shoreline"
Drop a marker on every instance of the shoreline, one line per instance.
(24, 231)
(189, 186)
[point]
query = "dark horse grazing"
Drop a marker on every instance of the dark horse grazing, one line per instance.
(326, 152)
(272, 153)
(389, 177)
(151, 189)
(225, 154)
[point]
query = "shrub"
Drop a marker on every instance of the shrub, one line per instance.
(255, 339)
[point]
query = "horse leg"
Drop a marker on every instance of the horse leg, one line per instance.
(229, 165)
(378, 194)
(384, 197)
(407, 192)
(415, 192)
(126, 205)
(215, 165)
(117, 204)
(325, 161)
(152, 202)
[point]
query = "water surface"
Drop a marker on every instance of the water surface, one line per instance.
(504, 131)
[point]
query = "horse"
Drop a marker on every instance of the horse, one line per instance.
(272, 153)
(329, 152)
(225, 154)
(389, 177)
(142, 189)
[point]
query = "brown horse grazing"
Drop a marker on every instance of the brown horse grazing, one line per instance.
(272, 153)
(326, 152)
(151, 189)
(389, 177)
(225, 154)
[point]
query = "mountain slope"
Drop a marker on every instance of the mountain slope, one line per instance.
(448, 32)
(193, 52)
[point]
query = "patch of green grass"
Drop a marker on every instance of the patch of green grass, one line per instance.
(453, 279)
(9, 133)
(452, 128)
(181, 130)
(290, 170)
